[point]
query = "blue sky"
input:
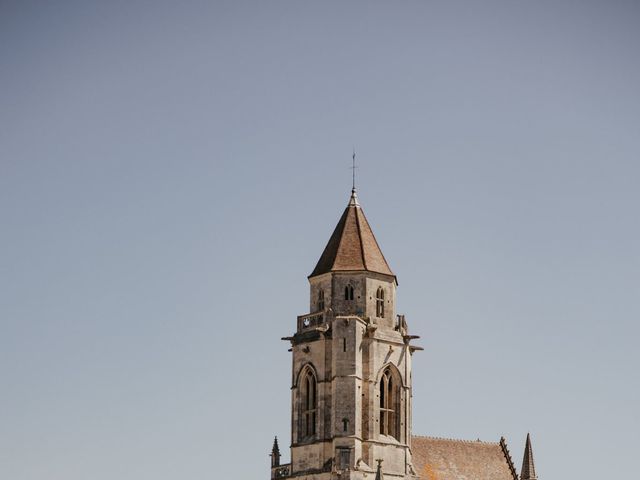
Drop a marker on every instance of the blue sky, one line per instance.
(171, 171)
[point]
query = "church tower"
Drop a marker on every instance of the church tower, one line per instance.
(351, 366)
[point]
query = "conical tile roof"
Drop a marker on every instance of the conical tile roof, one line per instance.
(352, 246)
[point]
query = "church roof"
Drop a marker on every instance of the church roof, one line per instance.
(445, 459)
(352, 245)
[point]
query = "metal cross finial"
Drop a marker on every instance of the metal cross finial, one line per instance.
(353, 169)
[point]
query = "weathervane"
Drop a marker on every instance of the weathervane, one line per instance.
(353, 170)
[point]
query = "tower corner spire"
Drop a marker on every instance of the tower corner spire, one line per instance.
(275, 453)
(528, 471)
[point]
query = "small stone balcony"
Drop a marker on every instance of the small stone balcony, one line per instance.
(281, 471)
(310, 321)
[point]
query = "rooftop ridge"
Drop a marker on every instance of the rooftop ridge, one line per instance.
(341, 240)
(457, 440)
(362, 247)
(507, 456)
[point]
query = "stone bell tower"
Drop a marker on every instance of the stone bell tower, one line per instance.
(351, 366)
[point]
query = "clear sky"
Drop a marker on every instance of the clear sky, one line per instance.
(171, 171)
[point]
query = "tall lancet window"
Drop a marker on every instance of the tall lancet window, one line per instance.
(321, 300)
(309, 404)
(389, 405)
(380, 302)
(348, 292)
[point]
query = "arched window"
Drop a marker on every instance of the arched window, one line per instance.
(389, 405)
(345, 424)
(309, 404)
(348, 292)
(380, 302)
(320, 300)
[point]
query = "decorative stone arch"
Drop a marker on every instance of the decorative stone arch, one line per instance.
(395, 369)
(348, 291)
(389, 404)
(301, 371)
(306, 387)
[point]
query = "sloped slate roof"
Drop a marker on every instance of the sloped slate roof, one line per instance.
(445, 459)
(352, 245)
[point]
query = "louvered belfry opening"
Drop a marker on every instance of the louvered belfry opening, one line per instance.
(389, 400)
(309, 404)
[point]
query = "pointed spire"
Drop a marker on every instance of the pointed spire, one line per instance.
(379, 475)
(352, 246)
(275, 453)
(528, 471)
